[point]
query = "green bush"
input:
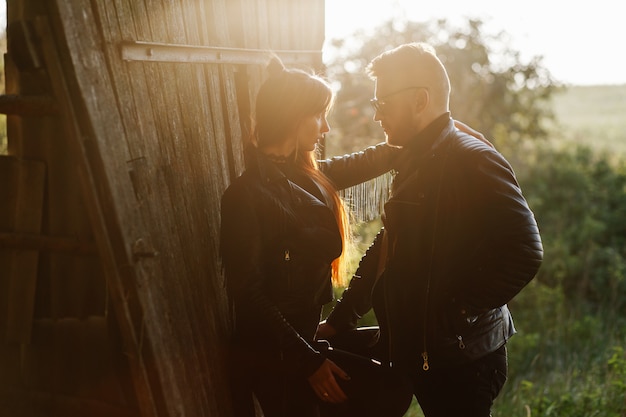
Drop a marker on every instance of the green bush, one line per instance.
(579, 199)
(568, 358)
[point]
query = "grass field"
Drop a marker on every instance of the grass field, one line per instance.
(593, 115)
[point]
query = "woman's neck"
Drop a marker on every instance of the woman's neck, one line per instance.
(278, 152)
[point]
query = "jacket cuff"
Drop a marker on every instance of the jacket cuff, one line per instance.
(342, 318)
(311, 363)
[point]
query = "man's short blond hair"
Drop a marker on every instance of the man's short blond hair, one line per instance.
(414, 64)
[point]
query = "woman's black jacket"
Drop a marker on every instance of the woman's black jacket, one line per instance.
(459, 243)
(277, 244)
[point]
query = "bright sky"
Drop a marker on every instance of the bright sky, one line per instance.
(582, 42)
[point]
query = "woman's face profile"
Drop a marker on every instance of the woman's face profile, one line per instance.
(311, 130)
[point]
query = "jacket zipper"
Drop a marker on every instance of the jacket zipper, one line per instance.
(425, 364)
(461, 343)
(384, 284)
(287, 259)
(382, 260)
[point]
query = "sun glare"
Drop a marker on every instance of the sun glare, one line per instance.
(559, 32)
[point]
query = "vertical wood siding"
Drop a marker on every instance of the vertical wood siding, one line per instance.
(155, 145)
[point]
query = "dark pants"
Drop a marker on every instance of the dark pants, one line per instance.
(466, 390)
(285, 397)
(373, 389)
(279, 393)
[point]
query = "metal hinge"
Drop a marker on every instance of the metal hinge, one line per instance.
(165, 52)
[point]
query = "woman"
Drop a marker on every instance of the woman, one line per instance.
(282, 239)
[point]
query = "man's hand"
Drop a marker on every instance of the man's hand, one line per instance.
(325, 385)
(324, 331)
(466, 129)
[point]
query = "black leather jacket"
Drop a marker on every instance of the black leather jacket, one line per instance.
(277, 244)
(459, 243)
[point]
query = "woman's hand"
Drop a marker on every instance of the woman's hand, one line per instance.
(466, 129)
(325, 385)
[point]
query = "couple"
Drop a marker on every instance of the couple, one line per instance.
(458, 243)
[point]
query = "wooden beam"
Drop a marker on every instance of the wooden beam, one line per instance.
(30, 241)
(22, 206)
(20, 105)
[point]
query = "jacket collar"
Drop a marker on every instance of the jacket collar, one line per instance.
(424, 146)
(258, 163)
(431, 136)
(445, 133)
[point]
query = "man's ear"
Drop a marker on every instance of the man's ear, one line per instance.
(422, 99)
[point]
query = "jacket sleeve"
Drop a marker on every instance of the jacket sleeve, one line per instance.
(356, 300)
(241, 250)
(352, 169)
(507, 252)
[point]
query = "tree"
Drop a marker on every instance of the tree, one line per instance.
(492, 90)
(579, 199)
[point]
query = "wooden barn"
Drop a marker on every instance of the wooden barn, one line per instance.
(125, 123)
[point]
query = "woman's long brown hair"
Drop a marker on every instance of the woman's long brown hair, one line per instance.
(284, 99)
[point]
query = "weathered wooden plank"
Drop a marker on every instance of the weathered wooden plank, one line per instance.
(151, 146)
(22, 198)
(178, 363)
(109, 22)
(208, 169)
(230, 124)
(177, 184)
(32, 241)
(160, 209)
(27, 105)
(66, 285)
(232, 133)
(179, 153)
(186, 90)
(222, 110)
(253, 37)
(256, 19)
(78, 358)
(110, 198)
(310, 15)
(236, 90)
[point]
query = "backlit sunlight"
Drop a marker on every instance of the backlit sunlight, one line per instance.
(579, 41)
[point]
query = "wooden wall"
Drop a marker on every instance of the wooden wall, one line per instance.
(114, 303)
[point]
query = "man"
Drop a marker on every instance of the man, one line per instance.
(459, 242)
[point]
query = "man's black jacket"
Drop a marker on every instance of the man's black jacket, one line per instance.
(459, 243)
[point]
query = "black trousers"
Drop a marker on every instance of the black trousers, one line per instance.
(466, 390)
(373, 389)
(278, 392)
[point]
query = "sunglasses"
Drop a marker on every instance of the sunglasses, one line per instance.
(379, 103)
